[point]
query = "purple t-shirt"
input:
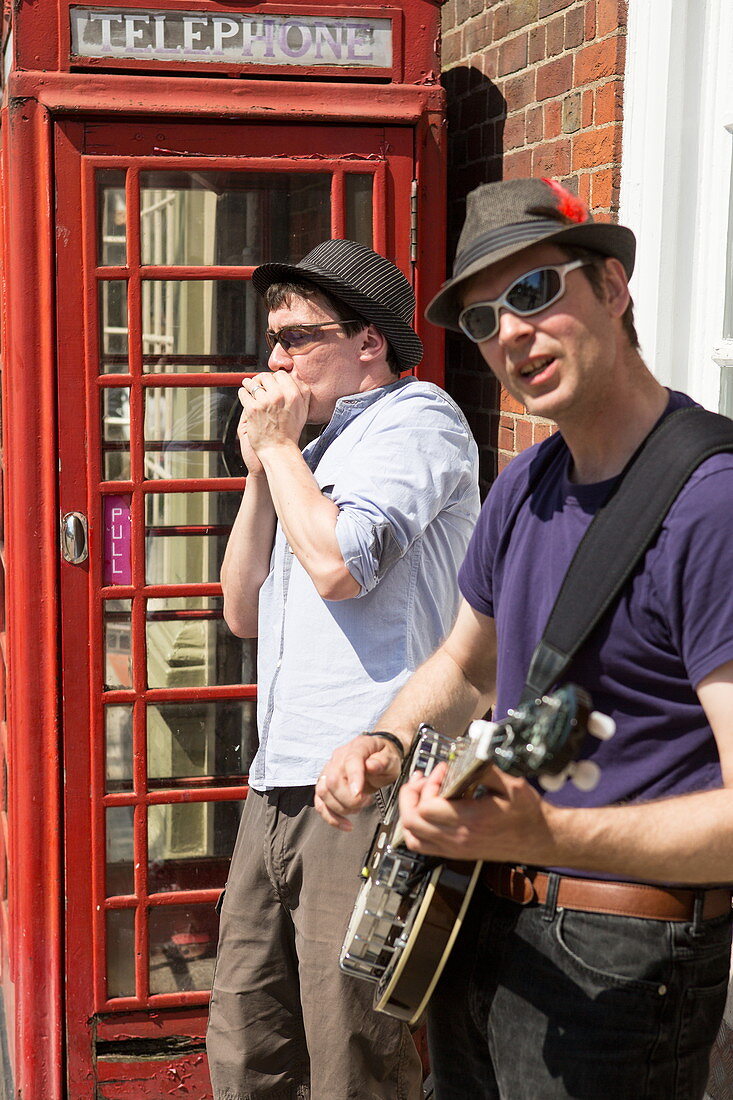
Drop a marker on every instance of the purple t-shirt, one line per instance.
(672, 625)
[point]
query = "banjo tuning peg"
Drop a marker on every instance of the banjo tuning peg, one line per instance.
(585, 775)
(555, 782)
(601, 726)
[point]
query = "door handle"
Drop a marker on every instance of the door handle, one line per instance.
(74, 530)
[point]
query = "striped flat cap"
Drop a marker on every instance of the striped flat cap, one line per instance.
(503, 218)
(366, 281)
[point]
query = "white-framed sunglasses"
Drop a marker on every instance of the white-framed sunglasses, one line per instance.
(530, 293)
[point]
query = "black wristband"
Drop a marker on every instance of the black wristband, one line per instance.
(387, 737)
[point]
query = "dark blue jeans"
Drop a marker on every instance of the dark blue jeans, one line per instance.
(543, 1004)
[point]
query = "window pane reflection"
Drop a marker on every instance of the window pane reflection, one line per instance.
(190, 845)
(113, 326)
(121, 953)
(232, 218)
(111, 218)
(200, 744)
(116, 433)
(118, 750)
(184, 430)
(182, 947)
(117, 644)
(193, 647)
(185, 559)
(359, 207)
(211, 324)
(119, 831)
(186, 536)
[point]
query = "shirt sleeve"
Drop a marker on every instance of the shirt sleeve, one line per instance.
(416, 458)
(695, 569)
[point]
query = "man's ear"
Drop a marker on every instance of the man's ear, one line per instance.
(616, 286)
(373, 344)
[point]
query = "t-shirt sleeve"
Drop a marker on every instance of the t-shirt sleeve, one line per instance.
(413, 462)
(476, 577)
(475, 574)
(695, 569)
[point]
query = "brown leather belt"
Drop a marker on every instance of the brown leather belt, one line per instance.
(627, 899)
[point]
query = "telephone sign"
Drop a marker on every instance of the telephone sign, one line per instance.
(197, 36)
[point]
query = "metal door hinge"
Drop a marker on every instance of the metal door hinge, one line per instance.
(413, 221)
(74, 530)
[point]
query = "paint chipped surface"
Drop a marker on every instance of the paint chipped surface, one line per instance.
(154, 1078)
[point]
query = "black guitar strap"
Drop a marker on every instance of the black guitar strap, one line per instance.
(620, 533)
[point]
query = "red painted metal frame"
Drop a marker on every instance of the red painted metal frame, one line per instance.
(116, 96)
(89, 897)
(6, 952)
(31, 541)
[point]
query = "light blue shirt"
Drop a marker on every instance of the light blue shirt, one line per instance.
(402, 466)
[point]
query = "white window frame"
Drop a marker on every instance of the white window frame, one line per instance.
(676, 185)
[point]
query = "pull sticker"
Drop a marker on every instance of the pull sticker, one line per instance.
(117, 540)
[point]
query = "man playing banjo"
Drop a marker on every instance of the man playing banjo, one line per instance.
(593, 960)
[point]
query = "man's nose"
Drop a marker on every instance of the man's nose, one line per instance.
(513, 328)
(279, 359)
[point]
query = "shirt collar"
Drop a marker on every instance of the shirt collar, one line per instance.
(346, 407)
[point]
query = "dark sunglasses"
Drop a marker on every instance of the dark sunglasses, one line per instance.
(528, 294)
(297, 337)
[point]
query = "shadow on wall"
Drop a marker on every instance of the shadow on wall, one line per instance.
(476, 112)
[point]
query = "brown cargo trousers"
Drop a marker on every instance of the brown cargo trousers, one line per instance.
(285, 1023)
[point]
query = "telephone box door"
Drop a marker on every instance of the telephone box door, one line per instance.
(159, 226)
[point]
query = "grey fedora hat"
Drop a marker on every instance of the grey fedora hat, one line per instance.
(503, 218)
(368, 282)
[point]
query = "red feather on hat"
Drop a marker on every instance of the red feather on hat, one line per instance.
(568, 204)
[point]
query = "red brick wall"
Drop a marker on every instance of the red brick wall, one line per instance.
(535, 88)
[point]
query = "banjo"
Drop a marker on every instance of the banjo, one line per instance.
(410, 907)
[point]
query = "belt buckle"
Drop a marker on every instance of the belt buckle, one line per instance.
(520, 887)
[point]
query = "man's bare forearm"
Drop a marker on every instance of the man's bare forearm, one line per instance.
(688, 839)
(247, 557)
(438, 693)
(308, 519)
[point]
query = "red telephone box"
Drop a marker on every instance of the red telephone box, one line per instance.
(152, 155)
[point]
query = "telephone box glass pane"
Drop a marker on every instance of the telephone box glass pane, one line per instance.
(184, 559)
(186, 536)
(182, 947)
(359, 187)
(193, 647)
(118, 751)
(111, 218)
(190, 845)
(120, 952)
(113, 332)
(117, 644)
(201, 744)
(120, 873)
(232, 218)
(203, 324)
(116, 433)
(184, 430)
